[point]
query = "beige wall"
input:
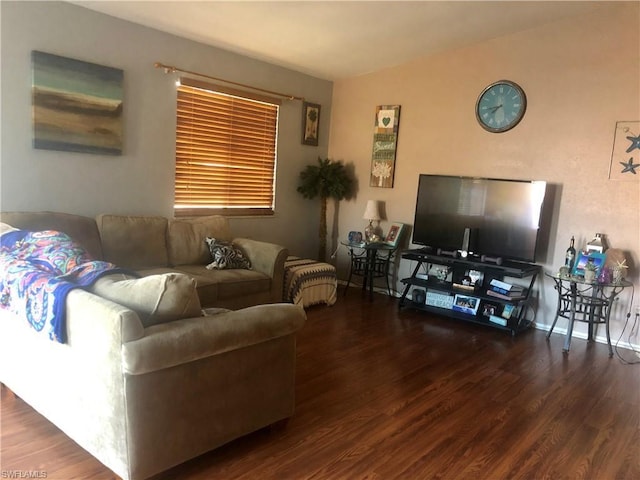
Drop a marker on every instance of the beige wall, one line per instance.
(580, 77)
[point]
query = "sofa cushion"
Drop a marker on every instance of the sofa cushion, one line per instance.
(156, 298)
(185, 238)
(226, 255)
(234, 282)
(207, 292)
(81, 229)
(228, 283)
(207, 312)
(134, 242)
(145, 272)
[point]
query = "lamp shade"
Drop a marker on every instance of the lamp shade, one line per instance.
(371, 212)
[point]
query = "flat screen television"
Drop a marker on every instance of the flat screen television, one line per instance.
(501, 217)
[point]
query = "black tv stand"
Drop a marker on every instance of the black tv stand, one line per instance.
(461, 288)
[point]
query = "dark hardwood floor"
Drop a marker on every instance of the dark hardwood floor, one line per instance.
(383, 394)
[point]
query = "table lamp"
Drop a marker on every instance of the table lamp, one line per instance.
(371, 213)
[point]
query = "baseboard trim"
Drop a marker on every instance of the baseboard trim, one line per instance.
(598, 339)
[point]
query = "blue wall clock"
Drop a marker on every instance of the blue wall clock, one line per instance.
(501, 106)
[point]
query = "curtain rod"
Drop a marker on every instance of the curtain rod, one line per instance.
(172, 69)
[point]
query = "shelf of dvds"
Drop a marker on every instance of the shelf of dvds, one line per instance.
(468, 289)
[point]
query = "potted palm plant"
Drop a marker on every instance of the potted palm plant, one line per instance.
(325, 179)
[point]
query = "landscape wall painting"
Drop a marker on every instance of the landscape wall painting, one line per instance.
(77, 106)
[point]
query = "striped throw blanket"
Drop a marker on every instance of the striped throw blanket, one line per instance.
(309, 282)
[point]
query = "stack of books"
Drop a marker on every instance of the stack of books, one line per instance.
(505, 291)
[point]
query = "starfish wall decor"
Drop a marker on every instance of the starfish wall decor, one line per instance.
(626, 152)
(629, 166)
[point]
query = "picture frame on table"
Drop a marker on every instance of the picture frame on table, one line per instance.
(466, 304)
(582, 258)
(394, 233)
(355, 237)
(507, 310)
(489, 309)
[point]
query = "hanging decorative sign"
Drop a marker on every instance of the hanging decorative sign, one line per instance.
(310, 123)
(385, 141)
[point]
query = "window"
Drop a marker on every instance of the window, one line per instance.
(225, 151)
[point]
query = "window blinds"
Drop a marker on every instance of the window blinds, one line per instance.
(225, 151)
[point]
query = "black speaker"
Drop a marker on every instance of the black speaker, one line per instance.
(418, 295)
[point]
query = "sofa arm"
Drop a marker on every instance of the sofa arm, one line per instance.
(182, 341)
(267, 258)
(94, 321)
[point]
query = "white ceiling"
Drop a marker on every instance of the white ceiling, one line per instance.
(339, 39)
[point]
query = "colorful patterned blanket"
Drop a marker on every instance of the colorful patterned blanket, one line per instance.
(38, 270)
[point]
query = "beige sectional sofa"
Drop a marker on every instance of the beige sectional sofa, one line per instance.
(143, 394)
(152, 245)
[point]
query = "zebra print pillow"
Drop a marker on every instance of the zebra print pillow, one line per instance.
(225, 255)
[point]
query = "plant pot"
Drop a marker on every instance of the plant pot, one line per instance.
(618, 275)
(589, 276)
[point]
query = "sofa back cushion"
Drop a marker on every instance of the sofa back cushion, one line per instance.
(156, 298)
(186, 238)
(81, 229)
(134, 242)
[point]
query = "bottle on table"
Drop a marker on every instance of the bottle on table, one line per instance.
(570, 256)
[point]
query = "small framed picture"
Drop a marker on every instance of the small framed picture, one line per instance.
(489, 309)
(475, 276)
(355, 237)
(310, 123)
(466, 304)
(393, 235)
(507, 310)
(598, 259)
